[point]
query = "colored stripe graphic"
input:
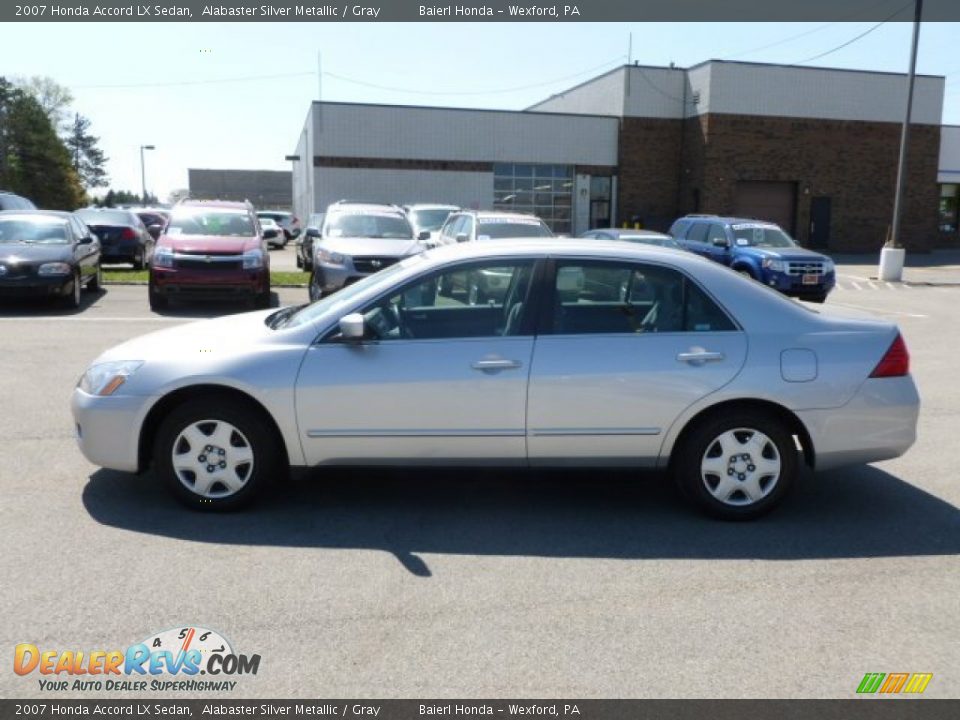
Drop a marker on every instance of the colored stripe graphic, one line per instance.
(918, 682)
(870, 683)
(894, 682)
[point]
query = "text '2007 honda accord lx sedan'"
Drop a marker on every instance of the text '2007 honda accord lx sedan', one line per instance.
(592, 353)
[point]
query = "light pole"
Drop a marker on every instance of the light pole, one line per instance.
(143, 172)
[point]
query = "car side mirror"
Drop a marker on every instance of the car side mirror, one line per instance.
(87, 239)
(352, 326)
(721, 242)
(462, 237)
(423, 235)
(155, 230)
(313, 232)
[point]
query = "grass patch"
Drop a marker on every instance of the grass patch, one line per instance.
(141, 277)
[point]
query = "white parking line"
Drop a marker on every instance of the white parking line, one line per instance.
(872, 285)
(856, 286)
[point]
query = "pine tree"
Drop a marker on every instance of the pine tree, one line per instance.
(88, 160)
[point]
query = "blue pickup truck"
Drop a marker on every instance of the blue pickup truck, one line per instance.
(761, 250)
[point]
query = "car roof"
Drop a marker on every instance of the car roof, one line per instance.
(567, 247)
(430, 206)
(357, 208)
(225, 204)
(631, 232)
(501, 214)
(729, 220)
(51, 213)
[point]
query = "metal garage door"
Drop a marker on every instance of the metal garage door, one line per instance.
(771, 201)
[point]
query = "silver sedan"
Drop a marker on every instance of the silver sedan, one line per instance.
(583, 352)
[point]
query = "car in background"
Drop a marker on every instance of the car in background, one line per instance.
(305, 247)
(359, 239)
(272, 232)
(286, 220)
(472, 225)
(427, 219)
(123, 236)
(759, 250)
(210, 249)
(10, 201)
(677, 364)
(154, 219)
(46, 253)
(644, 237)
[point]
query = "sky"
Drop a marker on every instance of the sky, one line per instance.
(236, 95)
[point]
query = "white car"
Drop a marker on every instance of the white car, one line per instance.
(598, 353)
(272, 233)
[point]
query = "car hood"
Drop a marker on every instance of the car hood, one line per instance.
(797, 253)
(208, 244)
(15, 253)
(389, 247)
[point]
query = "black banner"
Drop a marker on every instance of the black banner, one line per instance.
(489, 11)
(861, 709)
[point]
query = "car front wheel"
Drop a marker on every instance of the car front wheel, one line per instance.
(737, 466)
(216, 453)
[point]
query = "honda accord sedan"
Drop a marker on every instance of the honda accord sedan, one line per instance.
(595, 354)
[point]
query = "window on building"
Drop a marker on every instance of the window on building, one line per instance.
(542, 190)
(949, 207)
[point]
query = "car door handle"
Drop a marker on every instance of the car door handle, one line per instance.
(698, 356)
(494, 365)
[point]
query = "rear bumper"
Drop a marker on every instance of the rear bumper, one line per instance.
(879, 423)
(208, 283)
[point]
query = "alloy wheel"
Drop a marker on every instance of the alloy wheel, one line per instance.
(740, 467)
(212, 458)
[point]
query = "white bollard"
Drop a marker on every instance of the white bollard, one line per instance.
(891, 264)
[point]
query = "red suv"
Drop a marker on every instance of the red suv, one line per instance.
(210, 249)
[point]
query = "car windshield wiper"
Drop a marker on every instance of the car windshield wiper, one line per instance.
(279, 318)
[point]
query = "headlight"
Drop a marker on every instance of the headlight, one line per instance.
(331, 258)
(54, 268)
(104, 378)
(775, 265)
(162, 258)
(828, 265)
(253, 260)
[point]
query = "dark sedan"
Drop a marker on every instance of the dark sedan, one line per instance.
(645, 237)
(45, 253)
(123, 236)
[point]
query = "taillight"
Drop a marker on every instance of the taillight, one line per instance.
(128, 234)
(895, 362)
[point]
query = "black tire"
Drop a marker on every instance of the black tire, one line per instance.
(314, 290)
(703, 439)
(299, 260)
(253, 431)
(96, 282)
(308, 265)
(263, 300)
(157, 301)
(818, 298)
(71, 301)
(745, 272)
(138, 263)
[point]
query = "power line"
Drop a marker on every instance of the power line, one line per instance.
(178, 83)
(854, 39)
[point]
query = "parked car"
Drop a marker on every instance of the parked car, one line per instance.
(287, 220)
(760, 250)
(678, 364)
(472, 225)
(305, 247)
(46, 253)
(210, 249)
(154, 219)
(427, 219)
(645, 237)
(9, 201)
(123, 236)
(359, 239)
(272, 233)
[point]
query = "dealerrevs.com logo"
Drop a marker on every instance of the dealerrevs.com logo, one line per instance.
(180, 659)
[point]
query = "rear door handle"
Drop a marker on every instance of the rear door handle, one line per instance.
(698, 356)
(494, 365)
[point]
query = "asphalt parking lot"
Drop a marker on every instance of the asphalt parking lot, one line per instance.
(480, 584)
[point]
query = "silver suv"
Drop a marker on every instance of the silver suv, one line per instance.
(359, 239)
(471, 225)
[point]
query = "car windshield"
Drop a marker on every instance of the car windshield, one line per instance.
(267, 222)
(761, 236)
(494, 228)
(107, 217)
(205, 221)
(430, 219)
(273, 216)
(39, 230)
(340, 299)
(368, 225)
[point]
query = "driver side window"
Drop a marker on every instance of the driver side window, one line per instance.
(476, 300)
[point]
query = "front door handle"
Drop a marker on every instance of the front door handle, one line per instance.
(699, 356)
(494, 365)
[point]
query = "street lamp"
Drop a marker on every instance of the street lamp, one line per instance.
(143, 172)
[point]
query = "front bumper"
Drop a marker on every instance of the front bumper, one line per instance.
(794, 285)
(108, 428)
(879, 423)
(36, 286)
(209, 283)
(331, 278)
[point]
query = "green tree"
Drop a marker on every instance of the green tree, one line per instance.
(34, 162)
(53, 97)
(88, 160)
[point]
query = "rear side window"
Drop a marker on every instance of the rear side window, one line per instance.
(717, 232)
(679, 228)
(620, 298)
(698, 233)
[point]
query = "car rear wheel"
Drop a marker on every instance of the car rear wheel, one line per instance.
(216, 453)
(138, 262)
(737, 466)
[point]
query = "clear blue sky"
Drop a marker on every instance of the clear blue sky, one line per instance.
(254, 123)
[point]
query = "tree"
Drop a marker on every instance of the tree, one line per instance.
(33, 161)
(88, 159)
(53, 97)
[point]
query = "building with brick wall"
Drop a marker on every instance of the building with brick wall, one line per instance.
(810, 148)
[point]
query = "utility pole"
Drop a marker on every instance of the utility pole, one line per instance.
(319, 77)
(892, 255)
(143, 173)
